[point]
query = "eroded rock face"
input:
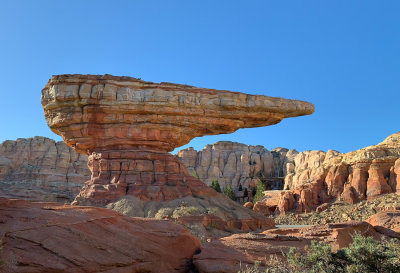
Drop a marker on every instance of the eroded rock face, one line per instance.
(316, 177)
(127, 126)
(50, 237)
(41, 169)
(237, 164)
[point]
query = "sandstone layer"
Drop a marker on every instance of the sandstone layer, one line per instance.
(41, 169)
(50, 237)
(127, 126)
(316, 177)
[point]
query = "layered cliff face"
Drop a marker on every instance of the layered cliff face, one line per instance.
(238, 164)
(41, 169)
(316, 177)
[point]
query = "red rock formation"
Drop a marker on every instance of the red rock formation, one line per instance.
(379, 172)
(358, 179)
(316, 177)
(127, 126)
(50, 237)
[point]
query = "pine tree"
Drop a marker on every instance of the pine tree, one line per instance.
(215, 185)
(260, 192)
(230, 192)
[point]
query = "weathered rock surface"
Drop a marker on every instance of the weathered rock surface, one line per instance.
(237, 164)
(316, 177)
(50, 237)
(127, 126)
(41, 169)
(234, 253)
(387, 222)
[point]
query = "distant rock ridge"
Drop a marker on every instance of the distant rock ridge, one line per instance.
(41, 169)
(238, 164)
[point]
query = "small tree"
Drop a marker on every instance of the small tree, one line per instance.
(230, 192)
(259, 192)
(215, 185)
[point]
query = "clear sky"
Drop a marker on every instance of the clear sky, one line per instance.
(343, 56)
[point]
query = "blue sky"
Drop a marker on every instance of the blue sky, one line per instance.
(343, 56)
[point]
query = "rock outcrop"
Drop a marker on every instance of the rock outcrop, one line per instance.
(50, 237)
(387, 222)
(41, 169)
(237, 164)
(128, 126)
(316, 177)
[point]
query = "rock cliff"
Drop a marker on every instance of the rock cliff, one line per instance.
(41, 169)
(238, 164)
(317, 177)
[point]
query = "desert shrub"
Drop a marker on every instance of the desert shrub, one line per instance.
(215, 185)
(184, 211)
(230, 192)
(368, 255)
(161, 213)
(259, 192)
(364, 255)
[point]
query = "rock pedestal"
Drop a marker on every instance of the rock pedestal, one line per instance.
(127, 127)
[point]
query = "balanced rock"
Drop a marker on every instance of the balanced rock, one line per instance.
(127, 127)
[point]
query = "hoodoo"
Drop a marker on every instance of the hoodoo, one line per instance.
(127, 127)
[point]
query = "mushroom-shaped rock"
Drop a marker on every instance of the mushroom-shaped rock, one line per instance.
(127, 127)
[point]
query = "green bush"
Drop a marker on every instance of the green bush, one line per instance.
(215, 185)
(230, 192)
(364, 255)
(185, 211)
(260, 192)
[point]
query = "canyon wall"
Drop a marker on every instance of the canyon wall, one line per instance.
(238, 164)
(41, 169)
(317, 177)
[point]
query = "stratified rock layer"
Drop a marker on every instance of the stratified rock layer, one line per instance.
(127, 126)
(316, 177)
(238, 164)
(41, 169)
(50, 237)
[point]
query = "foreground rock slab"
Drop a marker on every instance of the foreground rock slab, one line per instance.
(50, 237)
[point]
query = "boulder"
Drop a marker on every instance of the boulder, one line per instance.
(387, 223)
